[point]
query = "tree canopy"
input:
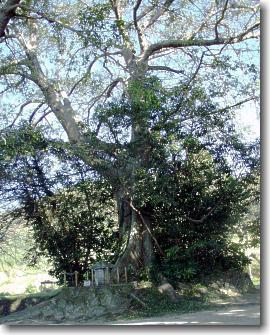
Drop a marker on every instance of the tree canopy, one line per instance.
(142, 92)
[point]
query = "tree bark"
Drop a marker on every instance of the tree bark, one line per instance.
(139, 251)
(7, 11)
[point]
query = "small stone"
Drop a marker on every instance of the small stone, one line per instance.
(215, 286)
(167, 289)
(202, 290)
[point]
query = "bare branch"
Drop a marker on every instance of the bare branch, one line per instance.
(140, 35)
(221, 18)
(43, 116)
(183, 119)
(249, 33)
(159, 12)
(220, 110)
(84, 76)
(28, 102)
(13, 85)
(112, 86)
(207, 17)
(197, 70)
(105, 93)
(48, 18)
(35, 111)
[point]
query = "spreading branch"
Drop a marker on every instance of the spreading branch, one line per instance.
(121, 27)
(50, 19)
(106, 93)
(249, 33)
(140, 35)
(28, 102)
(165, 68)
(45, 114)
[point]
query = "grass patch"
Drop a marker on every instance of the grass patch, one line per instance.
(256, 280)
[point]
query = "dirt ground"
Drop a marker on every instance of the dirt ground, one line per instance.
(242, 310)
(243, 314)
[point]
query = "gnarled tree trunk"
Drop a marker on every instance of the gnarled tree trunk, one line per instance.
(136, 226)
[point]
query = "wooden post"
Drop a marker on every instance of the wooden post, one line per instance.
(117, 274)
(126, 274)
(65, 278)
(108, 275)
(92, 276)
(76, 278)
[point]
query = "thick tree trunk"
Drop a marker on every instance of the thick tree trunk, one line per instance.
(138, 252)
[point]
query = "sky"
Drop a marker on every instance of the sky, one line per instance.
(248, 121)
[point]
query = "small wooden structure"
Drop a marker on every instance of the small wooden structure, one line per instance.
(47, 284)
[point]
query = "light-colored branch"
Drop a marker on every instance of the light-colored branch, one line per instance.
(202, 219)
(139, 31)
(159, 12)
(121, 27)
(165, 68)
(249, 33)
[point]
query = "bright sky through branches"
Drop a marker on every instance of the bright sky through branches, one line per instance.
(248, 122)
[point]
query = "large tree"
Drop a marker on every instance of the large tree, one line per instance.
(61, 61)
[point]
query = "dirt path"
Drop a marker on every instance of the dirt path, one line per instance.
(243, 310)
(238, 315)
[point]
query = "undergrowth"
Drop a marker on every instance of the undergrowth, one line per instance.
(157, 304)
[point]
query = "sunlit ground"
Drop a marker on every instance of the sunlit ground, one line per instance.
(19, 282)
(248, 315)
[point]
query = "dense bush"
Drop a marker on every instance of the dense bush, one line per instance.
(197, 205)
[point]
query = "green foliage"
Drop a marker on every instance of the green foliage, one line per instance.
(71, 211)
(192, 192)
(92, 20)
(75, 226)
(178, 170)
